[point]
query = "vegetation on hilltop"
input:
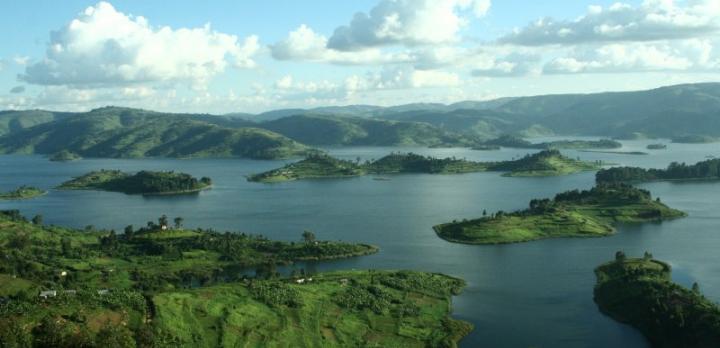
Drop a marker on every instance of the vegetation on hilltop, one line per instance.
(143, 182)
(589, 213)
(353, 131)
(640, 292)
(694, 139)
(513, 141)
(22, 192)
(120, 132)
(705, 170)
(64, 156)
(62, 287)
(544, 163)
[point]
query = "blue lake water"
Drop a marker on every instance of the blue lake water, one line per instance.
(536, 294)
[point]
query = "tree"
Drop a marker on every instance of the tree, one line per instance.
(37, 220)
(620, 256)
(66, 246)
(163, 221)
(178, 222)
(129, 232)
(484, 212)
(12, 335)
(648, 256)
(308, 236)
(696, 288)
(50, 333)
(111, 335)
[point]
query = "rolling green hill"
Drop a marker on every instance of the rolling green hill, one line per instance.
(13, 121)
(121, 132)
(333, 130)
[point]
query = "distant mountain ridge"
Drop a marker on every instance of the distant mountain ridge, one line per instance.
(681, 111)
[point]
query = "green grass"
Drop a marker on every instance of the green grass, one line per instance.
(228, 315)
(593, 215)
(554, 166)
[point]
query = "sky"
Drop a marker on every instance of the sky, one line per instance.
(227, 56)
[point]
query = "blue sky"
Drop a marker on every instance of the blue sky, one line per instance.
(251, 56)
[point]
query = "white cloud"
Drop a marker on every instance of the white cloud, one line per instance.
(304, 44)
(488, 63)
(406, 22)
(401, 78)
(686, 55)
(21, 60)
(104, 47)
(650, 21)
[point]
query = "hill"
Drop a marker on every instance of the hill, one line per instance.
(640, 292)
(13, 121)
(589, 213)
(355, 131)
(121, 132)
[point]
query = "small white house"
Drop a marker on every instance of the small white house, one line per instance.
(48, 294)
(103, 292)
(300, 281)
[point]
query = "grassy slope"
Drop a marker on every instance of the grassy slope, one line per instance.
(640, 292)
(120, 132)
(228, 316)
(554, 166)
(594, 219)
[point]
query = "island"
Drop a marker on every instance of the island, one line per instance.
(657, 147)
(640, 293)
(22, 192)
(65, 156)
(512, 141)
(694, 139)
(485, 147)
(588, 213)
(543, 163)
(632, 153)
(164, 284)
(143, 182)
(705, 170)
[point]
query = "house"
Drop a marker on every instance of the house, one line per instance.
(103, 292)
(48, 294)
(300, 281)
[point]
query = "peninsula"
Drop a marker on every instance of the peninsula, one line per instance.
(165, 283)
(640, 292)
(143, 182)
(589, 213)
(544, 163)
(22, 192)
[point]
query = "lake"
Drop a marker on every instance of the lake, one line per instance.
(535, 294)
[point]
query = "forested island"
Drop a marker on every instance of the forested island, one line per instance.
(22, 192)
(143, 182)
(544, 163)
(705, 170)
(512, 141)
(65, 156)
(640, 292)
(587, 213)
(163, 285)
(657, 147)
(694, 139)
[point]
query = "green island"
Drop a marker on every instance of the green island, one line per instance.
(640, 292)
(705, 170)
(588, 213)
(167, 286)
(64, 156)
(632, 153)
(143, 182)
(657, 147)
(544, 163)
(513, 141)
(22, 192)
(695, 139)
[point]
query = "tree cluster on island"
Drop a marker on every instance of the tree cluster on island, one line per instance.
(142, 182)
(640, 292)
(705, 170)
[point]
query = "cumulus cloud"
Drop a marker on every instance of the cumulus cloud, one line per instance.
(105, 47)
(401, 78)
(650, 21)
(21, 60)
(17, 90)
(512, 64)
(687, 55)
(406, 22)
(305, 44)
